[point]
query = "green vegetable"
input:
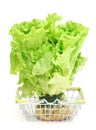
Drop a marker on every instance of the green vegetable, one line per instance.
(46, 54)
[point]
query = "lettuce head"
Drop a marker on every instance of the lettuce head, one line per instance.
(46, 55)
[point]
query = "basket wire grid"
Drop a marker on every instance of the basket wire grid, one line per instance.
(36, 109)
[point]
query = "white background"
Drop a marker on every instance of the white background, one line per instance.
(15, 11)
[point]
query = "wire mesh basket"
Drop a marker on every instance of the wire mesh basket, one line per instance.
(59, 110)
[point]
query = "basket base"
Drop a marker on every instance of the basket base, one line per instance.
(58, 113)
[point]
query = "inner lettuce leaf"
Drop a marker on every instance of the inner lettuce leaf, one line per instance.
(46, 54)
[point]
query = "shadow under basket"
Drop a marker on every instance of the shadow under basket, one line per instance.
(59, 110)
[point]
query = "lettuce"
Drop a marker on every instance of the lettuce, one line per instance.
(46, 54)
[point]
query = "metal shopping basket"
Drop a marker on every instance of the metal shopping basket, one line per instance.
(36, 109)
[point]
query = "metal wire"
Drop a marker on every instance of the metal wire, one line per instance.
(35, 109)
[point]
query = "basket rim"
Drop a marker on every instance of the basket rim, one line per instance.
(79, 89)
